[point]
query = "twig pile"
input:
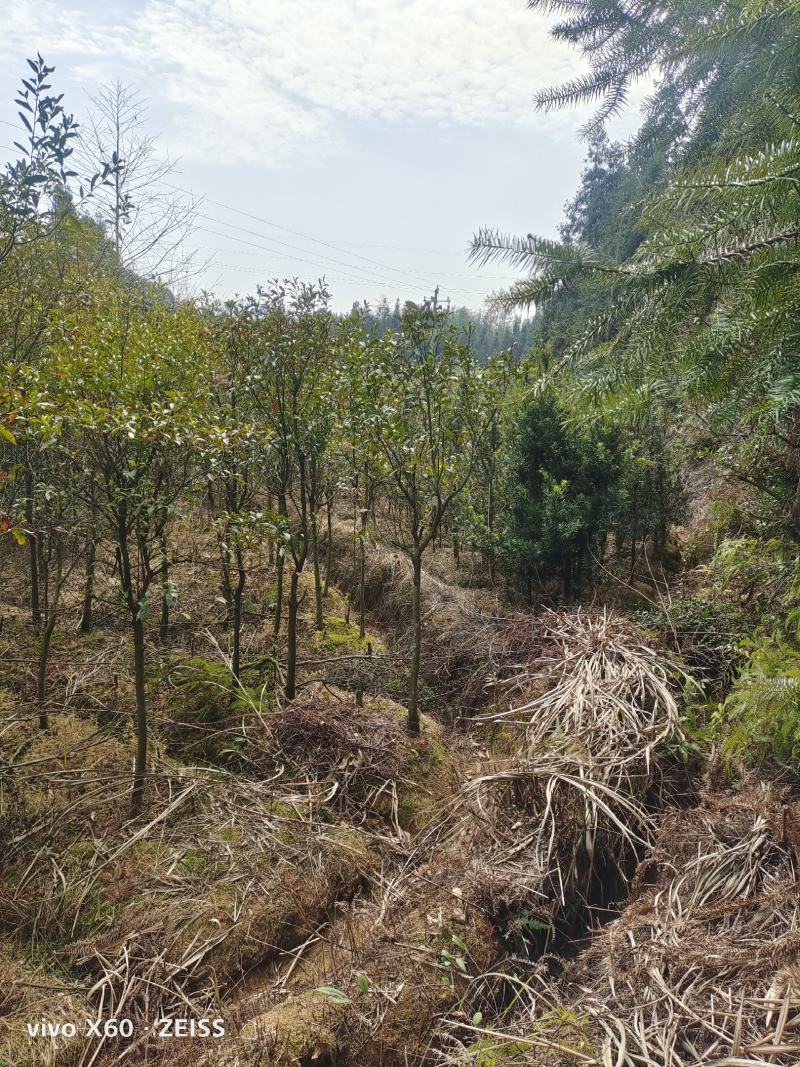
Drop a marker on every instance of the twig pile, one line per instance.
(348, 752)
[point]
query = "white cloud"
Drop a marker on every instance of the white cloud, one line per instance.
(263, 81)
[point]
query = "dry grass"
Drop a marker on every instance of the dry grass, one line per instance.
(701, 968)
(567, 813)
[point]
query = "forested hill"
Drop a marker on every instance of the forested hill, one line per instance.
(487, 333)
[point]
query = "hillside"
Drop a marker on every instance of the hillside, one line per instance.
(413, 687)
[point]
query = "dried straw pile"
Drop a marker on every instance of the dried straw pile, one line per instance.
(587, 725)
(160, 916)
(702, 967)
(362, 760)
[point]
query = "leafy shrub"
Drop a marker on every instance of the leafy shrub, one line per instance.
(762, 713)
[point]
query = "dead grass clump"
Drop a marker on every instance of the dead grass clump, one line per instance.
(29, 995)
(320, 737)
(568, 814)
(362, 761)
(702, 967)
(370, 988)
(161, 915)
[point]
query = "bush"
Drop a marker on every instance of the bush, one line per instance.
(762, 713)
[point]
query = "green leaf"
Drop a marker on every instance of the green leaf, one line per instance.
(363, 983)
(477, 1018)
(7, 434)
(334, 995)
(19, 536)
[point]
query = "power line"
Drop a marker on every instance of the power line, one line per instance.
(333, 273)
(369, 275)
(429, 278)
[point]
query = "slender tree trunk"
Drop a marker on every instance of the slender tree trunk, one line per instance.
(137, 631)
(140, 757)
(276, 622)
(41, 677)
(319, 621)
(87, 619)
(44, 643)
(329, 546)
(362, 578)
(490, 526)
(163, 627)
(237, 613)
(362, 567)
(416, 612)
(227, 585)
(33, 545)
(291, 639)
(271, 544)
(87, 614)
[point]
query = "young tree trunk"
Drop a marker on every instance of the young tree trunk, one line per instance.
(416, 613)
(137, 631)
(227, 585)
(47, 634)
(163, 627)
(490, 526)
(87, 614)
(44, 652)
(140, 757)
(319, 621)
(291, 639)
(329, 546)
(33, 543)
(362, 572)
(276, 622)
(271, 544)
(237, 613)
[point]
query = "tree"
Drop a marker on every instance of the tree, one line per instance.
(232, 467)
(416, 386)
(698, 320)
(147, 222)
(563, 485)
(32, 187)
(290, 359)
(123, 383)
(489, 409)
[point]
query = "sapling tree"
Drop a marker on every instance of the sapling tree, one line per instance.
(147, 220)
(58, 537)
(417, 385)
(33, 187)
(126, 379)
(498, 393)
(289, 365)
(232, 466)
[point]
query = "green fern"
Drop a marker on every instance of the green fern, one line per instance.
(763, 710)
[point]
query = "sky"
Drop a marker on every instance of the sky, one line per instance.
(362, 140)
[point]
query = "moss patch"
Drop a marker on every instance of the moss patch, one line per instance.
(343, 637)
